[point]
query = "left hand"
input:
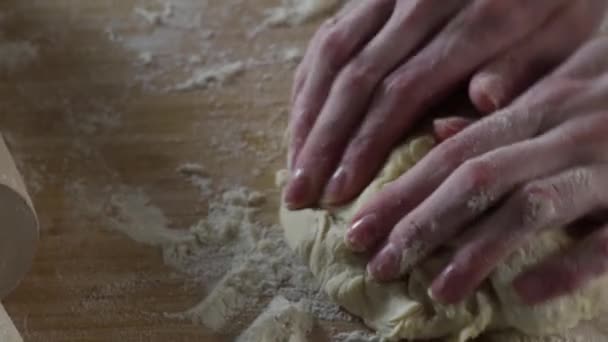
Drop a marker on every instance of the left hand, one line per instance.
(541, 162)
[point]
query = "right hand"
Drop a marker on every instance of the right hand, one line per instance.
(372, 72)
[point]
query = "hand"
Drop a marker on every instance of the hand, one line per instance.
(372, 72)
(541, 162)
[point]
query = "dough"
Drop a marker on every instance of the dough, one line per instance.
(403, 309)
(281, 321)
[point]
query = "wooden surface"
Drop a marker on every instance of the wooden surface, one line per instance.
(78, 118)
(89, 283)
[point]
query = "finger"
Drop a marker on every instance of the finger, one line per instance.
(446, 128)
(547, 105)
(586, 63)
(334, 45)
(478, 184)
(579, 85)
(508, 75)
(407, 192)
(353, 87)
(565, 273)
(304, 66)
(466, 43)
(552, 202)
(302, 72)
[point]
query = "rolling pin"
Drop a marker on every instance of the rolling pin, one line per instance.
(18, 225)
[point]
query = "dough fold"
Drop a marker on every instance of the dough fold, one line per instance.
(403, 309)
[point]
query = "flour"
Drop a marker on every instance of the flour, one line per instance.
(357, 336)
(281, 321)
(155, 17)
(192, 169)
(197, 176)
(292, 55)
(236, 258)
(297, 12)
(17, 55)
(146, 58)
(209, 76)
(132, 214)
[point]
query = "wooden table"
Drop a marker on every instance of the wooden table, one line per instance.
(79, 119)
(75, 118)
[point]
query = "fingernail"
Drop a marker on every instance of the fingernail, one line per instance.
(448, 127)
(385, 265)
(298, 189)
(360, 236)
(335, 188)
(446, 287)
(531, 289)
(491, 90)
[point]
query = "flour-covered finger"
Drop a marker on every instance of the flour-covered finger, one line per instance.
(569, 93)
(480, 183)
(403, 195)
(553, 202)
(510, 73)
(481, 30)
(411, 23)
(563, 274)
(332, 47)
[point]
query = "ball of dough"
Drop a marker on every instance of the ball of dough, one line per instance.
(403, 309)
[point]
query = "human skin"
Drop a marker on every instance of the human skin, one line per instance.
(494, 183)
(373, 71)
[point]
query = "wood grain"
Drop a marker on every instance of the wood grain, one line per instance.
(89, 283)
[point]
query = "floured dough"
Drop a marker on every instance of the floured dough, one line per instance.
(282, 321)
(403, 309)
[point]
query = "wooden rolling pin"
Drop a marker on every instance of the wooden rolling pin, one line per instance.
(18, 224)
(8, 332)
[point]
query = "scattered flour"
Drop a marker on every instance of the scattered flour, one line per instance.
(192, 169)
(239, 260)
(357, 336)
(146, 58)
(292, 55)
(297, 12)
(197, 176)
(133, 215)
(236, 258)
(14, 56)
(281, 321)
(155, 17)
(208, 76)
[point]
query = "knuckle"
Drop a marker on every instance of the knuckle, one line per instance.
(396, 86)
(361, 144)
(479, 173)
(304, 119)
(360, 74)
(452, 151)
(537, 204)
(333, 47)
